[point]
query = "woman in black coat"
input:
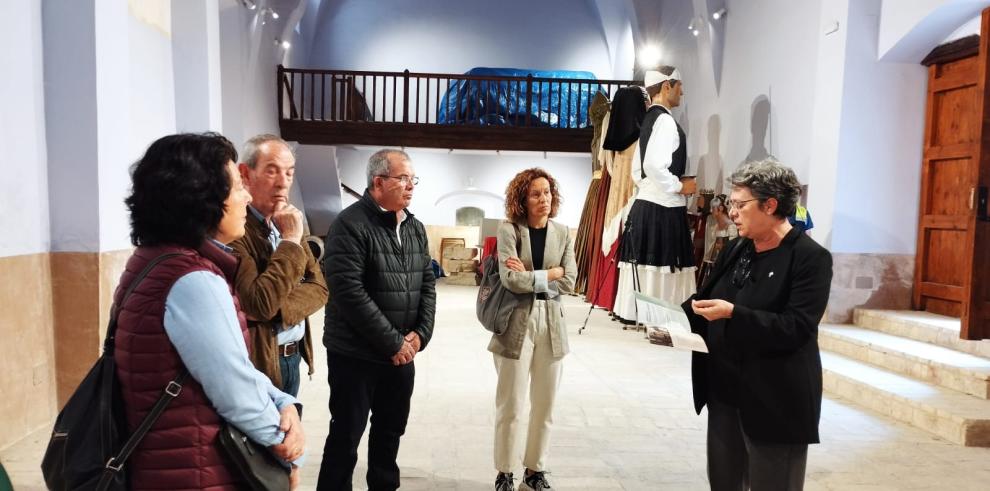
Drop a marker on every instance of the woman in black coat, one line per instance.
(759, 312)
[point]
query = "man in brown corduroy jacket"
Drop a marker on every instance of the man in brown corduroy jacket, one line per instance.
(278, 280)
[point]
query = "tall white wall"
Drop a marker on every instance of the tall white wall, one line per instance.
(881, 139)
(851, 126)
(249, 57)
(442, 173)
(247, 61)
(196, 71)
(776, 62)
(24, 187)
(71, 124)
(618, 19)
(909, 29)
(869, 137)
(760, 64)
(140, 99)
(968, 29)
(108, 95)
(827, 115)
(452, 37)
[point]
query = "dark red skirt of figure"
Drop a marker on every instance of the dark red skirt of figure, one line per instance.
(603, 285)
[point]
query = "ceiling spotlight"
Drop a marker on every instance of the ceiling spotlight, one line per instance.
(718, 14)
(282, 44)
(691, 26)
(695, 32)
(649, 56)
(249, 4)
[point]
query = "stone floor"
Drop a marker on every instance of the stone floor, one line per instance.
(624, 421)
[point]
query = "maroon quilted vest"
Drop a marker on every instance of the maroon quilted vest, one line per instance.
(180, 451)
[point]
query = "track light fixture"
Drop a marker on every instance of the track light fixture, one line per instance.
(719, 14)
(249, 4)
(267, 13)
(695, 25)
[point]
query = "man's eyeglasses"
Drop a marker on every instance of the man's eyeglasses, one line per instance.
(738, 204)
(404, 179)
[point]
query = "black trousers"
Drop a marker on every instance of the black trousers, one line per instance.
(737, 462)
(358, 387)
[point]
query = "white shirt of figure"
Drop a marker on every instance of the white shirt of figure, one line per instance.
(660, 186)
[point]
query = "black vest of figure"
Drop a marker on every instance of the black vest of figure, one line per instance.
(678, 161)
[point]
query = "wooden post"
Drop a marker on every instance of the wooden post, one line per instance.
(278, 89)
(405, 96)
(529, 98)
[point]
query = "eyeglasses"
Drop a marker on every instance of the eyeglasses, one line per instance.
(738, 204)
(404, 179)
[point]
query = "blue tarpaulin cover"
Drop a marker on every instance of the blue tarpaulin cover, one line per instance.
(555, 104)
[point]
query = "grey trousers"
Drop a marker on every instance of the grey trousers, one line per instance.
(737, 462)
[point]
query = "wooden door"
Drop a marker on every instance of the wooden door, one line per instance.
(953, 256)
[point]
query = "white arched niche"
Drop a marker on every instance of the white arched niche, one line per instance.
(492, 204)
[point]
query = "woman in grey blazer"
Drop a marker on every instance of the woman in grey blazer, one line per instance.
(536, 257)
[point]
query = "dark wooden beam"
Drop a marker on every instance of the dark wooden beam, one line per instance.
(956, 50)
(437, 136)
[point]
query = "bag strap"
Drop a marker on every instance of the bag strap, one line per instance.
(518, 239)
(171, 391)
(108, 342)
(116, 463)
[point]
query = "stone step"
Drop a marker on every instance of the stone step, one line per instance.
(921, 326)
(933, 364)
(956, 417)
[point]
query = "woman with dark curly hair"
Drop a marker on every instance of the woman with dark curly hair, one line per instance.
(536, 257)
(187, 202)
(759, 312)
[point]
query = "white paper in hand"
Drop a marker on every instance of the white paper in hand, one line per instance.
(667, 324)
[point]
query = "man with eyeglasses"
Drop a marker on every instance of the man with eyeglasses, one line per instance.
(379, 316)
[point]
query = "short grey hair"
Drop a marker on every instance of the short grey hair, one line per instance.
(767, 179)
(252, 148)
(378, 163)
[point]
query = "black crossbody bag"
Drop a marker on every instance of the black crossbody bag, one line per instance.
(88, 446)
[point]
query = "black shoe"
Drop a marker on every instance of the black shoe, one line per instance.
(504, 482)
(536, 481)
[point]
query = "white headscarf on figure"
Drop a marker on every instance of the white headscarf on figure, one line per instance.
(654, 77)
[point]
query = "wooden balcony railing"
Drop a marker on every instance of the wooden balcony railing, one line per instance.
(438, 110)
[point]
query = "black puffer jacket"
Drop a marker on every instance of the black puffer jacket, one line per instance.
(379, 290)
